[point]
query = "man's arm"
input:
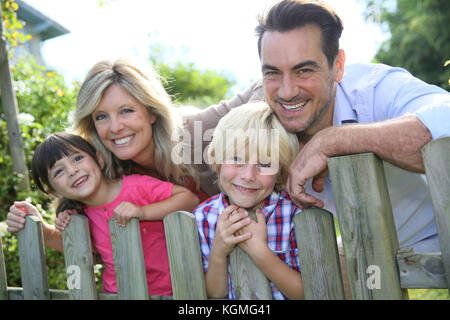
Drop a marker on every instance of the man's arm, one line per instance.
(398, 141)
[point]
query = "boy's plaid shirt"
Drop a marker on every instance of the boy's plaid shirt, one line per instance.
(279, 211)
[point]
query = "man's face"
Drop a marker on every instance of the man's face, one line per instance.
(299, 85)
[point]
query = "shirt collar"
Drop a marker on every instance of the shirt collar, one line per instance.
(269, 206)
(343, 111)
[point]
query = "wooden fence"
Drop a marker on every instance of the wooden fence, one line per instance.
(377, 267)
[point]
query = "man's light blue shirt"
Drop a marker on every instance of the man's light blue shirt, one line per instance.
(376, 92)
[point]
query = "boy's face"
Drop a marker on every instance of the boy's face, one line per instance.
(76, 177)
(246, 183)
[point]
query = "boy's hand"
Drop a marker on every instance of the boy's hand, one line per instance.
(258, 231)
(15, 220)
(229, 222)
(125, 211)
(63, 218)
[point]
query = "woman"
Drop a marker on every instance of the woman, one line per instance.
(127, 115)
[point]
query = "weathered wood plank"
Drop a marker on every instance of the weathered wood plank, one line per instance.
(3, 281)
(249, 281)
(319, 256)
(367, 226)
(33, 268)
(421, 271)
(78, 259)
(129, 265)
(185, 260)
(436, 157)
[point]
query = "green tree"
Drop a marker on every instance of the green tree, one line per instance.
(186, 83)
(420, 36)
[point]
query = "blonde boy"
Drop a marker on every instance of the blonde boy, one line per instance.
(251, 153)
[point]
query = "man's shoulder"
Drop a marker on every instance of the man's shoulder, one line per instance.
(364, 74)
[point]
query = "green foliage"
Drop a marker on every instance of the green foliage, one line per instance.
(12, 26)
(45, 102)
(420, 37)
(189, 85)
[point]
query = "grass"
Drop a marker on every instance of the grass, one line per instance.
(428, 294)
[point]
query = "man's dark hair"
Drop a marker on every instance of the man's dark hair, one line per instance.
(288, 15)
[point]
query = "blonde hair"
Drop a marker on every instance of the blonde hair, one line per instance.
(148, 90)
(253, 127)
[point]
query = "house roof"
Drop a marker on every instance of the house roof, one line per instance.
(38, 22)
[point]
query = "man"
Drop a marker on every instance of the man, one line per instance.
(385, 111)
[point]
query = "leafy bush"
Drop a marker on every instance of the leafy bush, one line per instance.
(45, 102)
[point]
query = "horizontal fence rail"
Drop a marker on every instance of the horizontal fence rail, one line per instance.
(377, 268)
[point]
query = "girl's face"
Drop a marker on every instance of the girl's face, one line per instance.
(76, 177)
(124, 125)
(246, 183)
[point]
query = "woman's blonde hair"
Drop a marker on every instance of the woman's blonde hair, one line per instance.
(147, 88)
(254, 129)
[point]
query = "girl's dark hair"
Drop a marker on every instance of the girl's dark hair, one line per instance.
(55, 147)
(288, 15)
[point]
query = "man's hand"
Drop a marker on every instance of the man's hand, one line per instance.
(310, 163)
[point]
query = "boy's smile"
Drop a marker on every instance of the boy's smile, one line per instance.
(244, 183)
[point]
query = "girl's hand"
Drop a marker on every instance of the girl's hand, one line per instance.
(229, 222)
(63, 218)
(125, 211)
(15, 220)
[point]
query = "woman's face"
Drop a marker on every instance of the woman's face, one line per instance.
(124, 125)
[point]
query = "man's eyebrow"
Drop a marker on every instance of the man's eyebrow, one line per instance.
(269, 67)
(308, 63)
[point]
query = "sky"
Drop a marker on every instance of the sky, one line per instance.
(214, 34)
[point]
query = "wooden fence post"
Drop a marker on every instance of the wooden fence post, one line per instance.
(129, 265)
(249, 281)
(3, 281)
(436, 158)
(33, 268)
(319, 256)
(78, 259)
(185, 260)
(367, 226)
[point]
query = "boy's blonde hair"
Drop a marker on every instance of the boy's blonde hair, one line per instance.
(253, 128)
